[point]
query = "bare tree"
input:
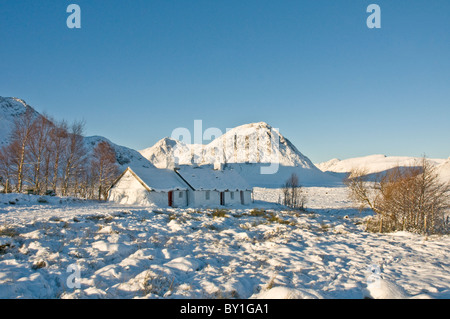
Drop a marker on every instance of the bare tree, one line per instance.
(58, 143)
(293, 195)
(362, 191)
(86, 183)
(6, 167)
(405, 198)
(104, 167)
(38, 152)
(23, 128)
(43, 154)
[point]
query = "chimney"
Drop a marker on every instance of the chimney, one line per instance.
(218, 166)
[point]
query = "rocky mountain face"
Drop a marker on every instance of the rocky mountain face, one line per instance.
(254, 143)
(261, 154)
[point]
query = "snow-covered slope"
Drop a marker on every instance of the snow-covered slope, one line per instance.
(249, 143)
(125, 252)
(11, 108)
(167, 151)
(443, 170)
(255, 143)
(373, 164)
(125, 157)
(248, 149)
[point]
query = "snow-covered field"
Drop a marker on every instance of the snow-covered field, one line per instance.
(262, 251)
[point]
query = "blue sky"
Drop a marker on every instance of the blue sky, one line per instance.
(138, 69)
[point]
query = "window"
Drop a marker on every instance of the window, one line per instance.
(232, 195)
(180, 195)
(207, 195)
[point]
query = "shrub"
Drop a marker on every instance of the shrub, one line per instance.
(409, 198)
(8, 231)
(157, 284)
(257, 212)
(217, 213)
(271, 217)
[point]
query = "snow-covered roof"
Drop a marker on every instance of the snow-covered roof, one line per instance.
(157, 179)
(206, 178)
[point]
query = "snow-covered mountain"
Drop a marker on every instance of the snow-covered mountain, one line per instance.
(125, 157)
(372, 164)
(443, 170)
(248, 149)
(255, 143)
(249, 143)
(168, 150)
(13, 108)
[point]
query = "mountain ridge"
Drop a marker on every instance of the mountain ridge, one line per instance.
(375, 163)
(224, 149)
(251, 149)
(248, 149)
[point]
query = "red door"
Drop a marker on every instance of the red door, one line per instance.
(170, 198)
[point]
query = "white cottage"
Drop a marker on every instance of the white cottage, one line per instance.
(149, 186)
(214, 187)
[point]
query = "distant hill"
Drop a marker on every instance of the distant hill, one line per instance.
(372, 164)
(443, 170)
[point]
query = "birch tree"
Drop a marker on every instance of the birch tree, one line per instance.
(23, 128)
(104, 167)
(73, 156)
(38, 152)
